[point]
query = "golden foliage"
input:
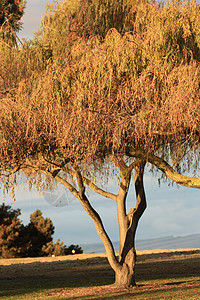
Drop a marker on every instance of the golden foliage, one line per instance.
(86, 87)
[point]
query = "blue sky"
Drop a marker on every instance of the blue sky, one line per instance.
(171, 210)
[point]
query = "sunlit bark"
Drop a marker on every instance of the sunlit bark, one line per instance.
(162, 165)
(128, 255)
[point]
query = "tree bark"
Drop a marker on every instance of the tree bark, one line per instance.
(125, 277)
(162, 165)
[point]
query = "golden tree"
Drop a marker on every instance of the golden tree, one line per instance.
(117, 85)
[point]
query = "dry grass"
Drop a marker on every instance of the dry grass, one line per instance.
(156, 271)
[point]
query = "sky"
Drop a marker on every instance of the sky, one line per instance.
(171, 210)
(32, 17)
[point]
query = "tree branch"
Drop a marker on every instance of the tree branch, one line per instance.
(139, 189)
(79, 181)
(12, 171)
(92, 186)
(97, 220)
(162, 165)
(98, 190)
(135, 213)
(101, 232)
(88, 182)
(58, 178)
(64, 182)
(121, 197)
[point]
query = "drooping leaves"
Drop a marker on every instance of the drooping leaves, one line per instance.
(98, 92)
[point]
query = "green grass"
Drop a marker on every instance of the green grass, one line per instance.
(39, 289)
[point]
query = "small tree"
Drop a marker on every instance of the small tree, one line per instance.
(52, 248)
(40, 231)
(34, 239)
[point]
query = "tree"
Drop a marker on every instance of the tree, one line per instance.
(106, 103)
(10, 225)
(59, 249)
(54, 248)
(11, 11)
(34, 239)
(39, 231)
(39, 235)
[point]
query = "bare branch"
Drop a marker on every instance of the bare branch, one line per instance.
(79, 181)
(58, 178)
(91, 212)
(139, 188)
(101, 232)
(92, 186)
(121, 197)
(162, 165)
(135, 213)
(98, 190)
(62, 181)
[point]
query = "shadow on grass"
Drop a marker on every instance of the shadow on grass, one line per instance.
(14, 288)
(177, 291)
(21, 288)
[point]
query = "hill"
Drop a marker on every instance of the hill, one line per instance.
(170, 242)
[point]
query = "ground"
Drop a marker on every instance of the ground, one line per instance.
(157, 263)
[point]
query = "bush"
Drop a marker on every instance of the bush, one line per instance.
(73, 249)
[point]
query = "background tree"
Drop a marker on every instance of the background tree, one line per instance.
(40, 231)
(52, 248)
(73, 249)
(59, 249)
(106, 102)
(39, 236)
(11, 11)
(10, 225)
(34, 239)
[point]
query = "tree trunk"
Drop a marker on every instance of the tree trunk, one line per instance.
(125, 277)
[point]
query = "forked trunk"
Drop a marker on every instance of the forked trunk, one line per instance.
(125, 277)
(124, 267)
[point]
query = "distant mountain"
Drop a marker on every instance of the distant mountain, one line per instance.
(169, 242)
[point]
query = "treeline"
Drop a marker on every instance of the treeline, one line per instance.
(32, 240)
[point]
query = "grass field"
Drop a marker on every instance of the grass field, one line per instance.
(171, 275)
